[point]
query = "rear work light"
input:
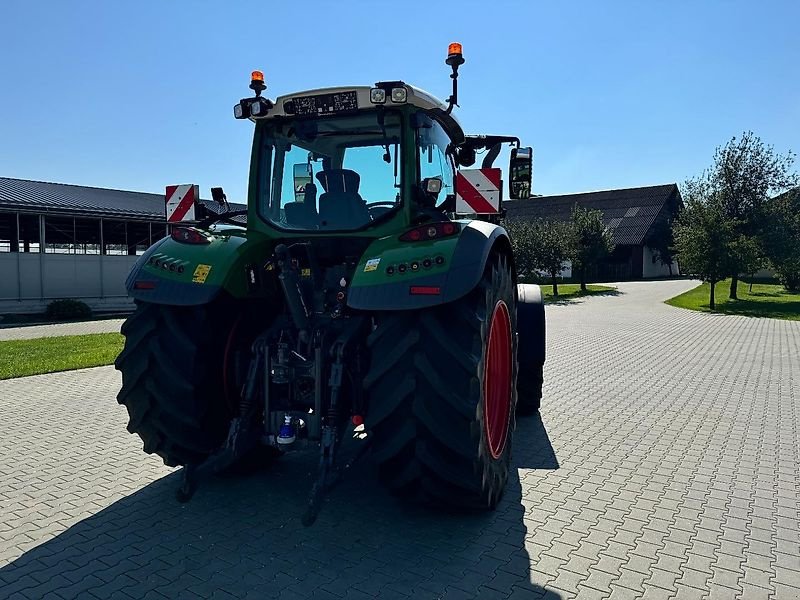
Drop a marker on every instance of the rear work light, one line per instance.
(189, 235)
(431, 231)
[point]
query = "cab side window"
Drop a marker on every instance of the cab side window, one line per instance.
(432, 143)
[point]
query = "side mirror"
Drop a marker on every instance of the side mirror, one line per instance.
(218, 196)
(520, 171)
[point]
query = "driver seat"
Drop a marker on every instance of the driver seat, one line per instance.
(303, 214)
(341, 206)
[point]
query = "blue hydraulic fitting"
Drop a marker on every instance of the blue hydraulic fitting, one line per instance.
(286, 435)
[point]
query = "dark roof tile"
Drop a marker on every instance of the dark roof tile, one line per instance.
(62, 198)
(629, 212)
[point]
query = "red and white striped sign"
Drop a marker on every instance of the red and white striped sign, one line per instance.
(478, 191)
(180, 202)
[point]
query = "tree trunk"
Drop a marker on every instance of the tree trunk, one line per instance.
(583, 279)
(669, 266)
(711, 302)
(734, 286)
(555, 284)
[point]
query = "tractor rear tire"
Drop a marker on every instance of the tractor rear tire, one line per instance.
(442, 394)
(172, 380)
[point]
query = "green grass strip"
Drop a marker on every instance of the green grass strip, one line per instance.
(20, 358)
(765, 300)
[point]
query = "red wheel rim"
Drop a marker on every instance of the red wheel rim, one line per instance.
(497, 380)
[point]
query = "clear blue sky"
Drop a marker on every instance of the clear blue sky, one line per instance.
(137, 95)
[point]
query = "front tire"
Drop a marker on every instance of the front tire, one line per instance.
(442, 395)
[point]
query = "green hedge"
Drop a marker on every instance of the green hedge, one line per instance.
(67, 310)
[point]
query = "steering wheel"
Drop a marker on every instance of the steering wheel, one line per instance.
(377, 209)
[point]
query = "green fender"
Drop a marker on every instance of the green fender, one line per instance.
(176, 273)
(462, 259)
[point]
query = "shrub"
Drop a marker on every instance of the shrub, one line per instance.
(790, 278)
(65, 310)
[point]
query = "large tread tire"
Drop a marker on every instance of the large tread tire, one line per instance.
(425, 388)
(172, 380)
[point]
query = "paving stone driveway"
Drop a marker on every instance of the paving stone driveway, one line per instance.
(665, 465)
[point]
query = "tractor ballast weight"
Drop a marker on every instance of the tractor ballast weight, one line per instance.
(361, 307)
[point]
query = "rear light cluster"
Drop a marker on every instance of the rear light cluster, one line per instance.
(189, 235)
(431, 231)
(415, 265)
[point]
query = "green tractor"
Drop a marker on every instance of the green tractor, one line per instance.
(359, 308)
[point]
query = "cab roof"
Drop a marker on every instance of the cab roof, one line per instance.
(416, 97)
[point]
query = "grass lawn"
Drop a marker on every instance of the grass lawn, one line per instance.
(766, 300)
(570, 291)
(19, 358)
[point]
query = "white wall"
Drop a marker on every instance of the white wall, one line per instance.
(566, 271)
(28, 281)
(652, 267)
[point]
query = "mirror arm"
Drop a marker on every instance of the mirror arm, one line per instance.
(491, 155)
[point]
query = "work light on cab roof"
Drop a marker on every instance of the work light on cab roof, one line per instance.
(256, 106)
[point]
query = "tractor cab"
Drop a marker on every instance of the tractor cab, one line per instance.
(332, 160)
(367, 159)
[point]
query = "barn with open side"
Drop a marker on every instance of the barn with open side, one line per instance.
(71, 241)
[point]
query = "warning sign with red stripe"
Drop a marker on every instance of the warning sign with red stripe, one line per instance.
(478, 191)
(180, 202)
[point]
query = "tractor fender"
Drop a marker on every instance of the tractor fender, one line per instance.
(179, 274)
(476, 242)
(467, 257)
(530, 326)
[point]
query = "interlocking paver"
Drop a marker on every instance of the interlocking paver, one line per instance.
(676, 436)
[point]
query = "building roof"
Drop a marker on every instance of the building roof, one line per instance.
(629, 213)
(78, 200)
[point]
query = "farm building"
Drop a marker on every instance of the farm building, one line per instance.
(71, 241)
(634, 215)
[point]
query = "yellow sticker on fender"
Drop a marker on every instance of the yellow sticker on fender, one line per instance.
(372, 265)
(201, 273)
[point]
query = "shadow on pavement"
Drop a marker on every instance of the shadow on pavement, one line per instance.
(243, 535)
(571, 299)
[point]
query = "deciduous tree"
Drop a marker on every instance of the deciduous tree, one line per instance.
(591, 241)
(662, 243)
(745, 174)
(780, 238)
(541, 246)
(704, 235)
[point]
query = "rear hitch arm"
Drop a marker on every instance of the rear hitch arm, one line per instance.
(327, 473)
(243, 434)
